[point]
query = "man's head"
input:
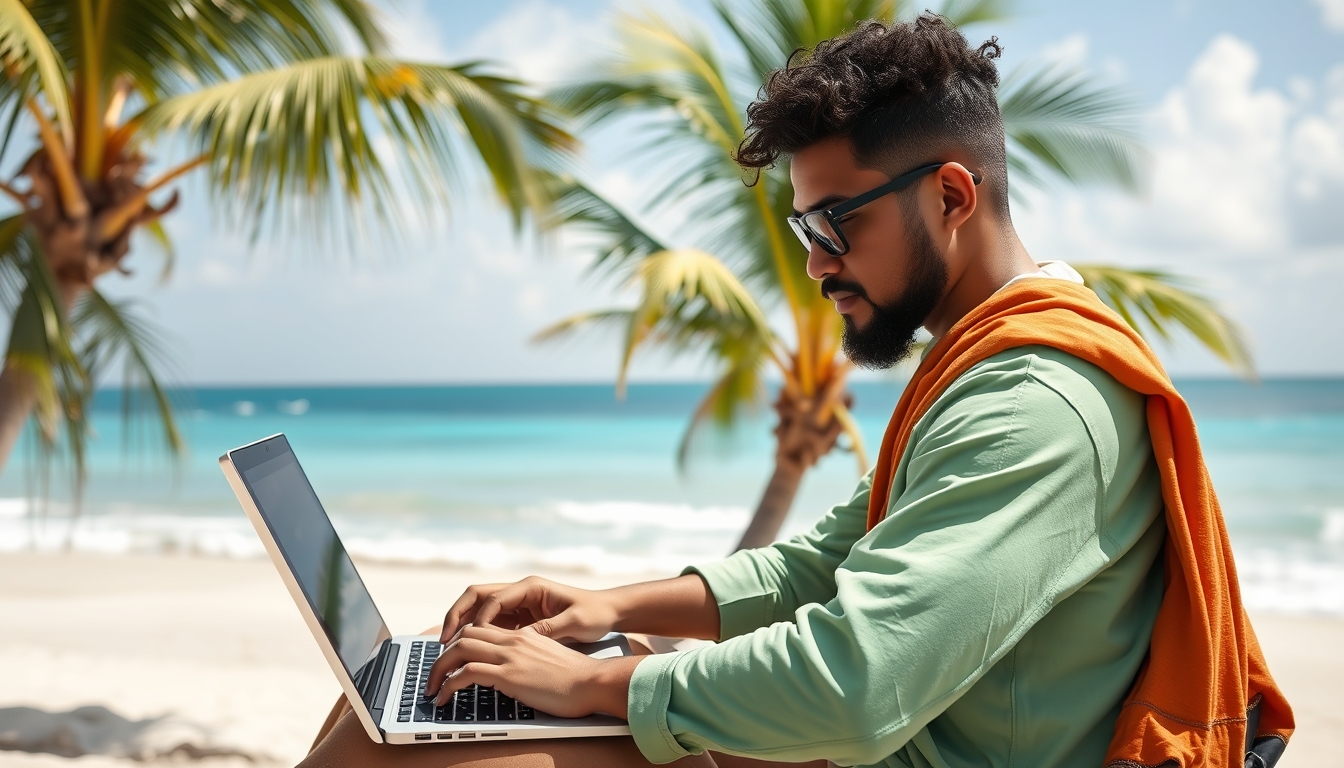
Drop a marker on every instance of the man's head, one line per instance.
(859, 111)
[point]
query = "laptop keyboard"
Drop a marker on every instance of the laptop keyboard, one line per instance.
(476, 704)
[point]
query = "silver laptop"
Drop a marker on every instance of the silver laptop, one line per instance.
(383, 676)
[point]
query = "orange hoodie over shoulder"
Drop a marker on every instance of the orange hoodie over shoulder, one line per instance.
(1204, 667)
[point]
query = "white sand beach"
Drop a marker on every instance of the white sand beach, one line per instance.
(217, 646)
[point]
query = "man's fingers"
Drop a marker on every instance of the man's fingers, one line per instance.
(464, 609)
(462, 651)
(508, 599)
(560, 627)
(471, 673)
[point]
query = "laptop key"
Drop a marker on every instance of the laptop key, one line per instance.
(424, 712)
(465, 706)
(485, 704)
(526, 713)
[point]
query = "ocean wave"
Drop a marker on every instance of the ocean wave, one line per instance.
(1307, 578)
(1295, 583)
(639, 514)
(234, 537)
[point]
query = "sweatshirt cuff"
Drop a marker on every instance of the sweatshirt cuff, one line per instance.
(646, 709)
(745, 602)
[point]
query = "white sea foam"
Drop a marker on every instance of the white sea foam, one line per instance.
(233, 537)
(1332, 527)
(638, 514)
(1286, 583)
(1310, 581)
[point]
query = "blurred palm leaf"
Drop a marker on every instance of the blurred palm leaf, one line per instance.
(302, 133)
(169, 48)
(110, 332)
(1059, 123)
(1153, 301)
(689, 297)
(41, 345)
(27, 55)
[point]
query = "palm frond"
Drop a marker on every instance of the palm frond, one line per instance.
(690, 301)
(740, 388)
(159, 234)
(663, 65)
(770, 31)
(583, 321)
(689, 298)
(31, 63)
(1060, 122)
(13, 257)
(1155, 301)
(168, 48)
(621, 239)
(963, 13)
(109, 331)
(295, 144)
(41, 345)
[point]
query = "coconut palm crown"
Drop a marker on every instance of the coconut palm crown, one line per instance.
(279, 105)
(735, 268)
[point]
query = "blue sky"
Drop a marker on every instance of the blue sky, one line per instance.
(1244, 113)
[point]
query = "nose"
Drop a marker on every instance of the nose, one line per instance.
(821, 264)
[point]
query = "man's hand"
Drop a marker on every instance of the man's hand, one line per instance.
(533, 669)
(542, 606)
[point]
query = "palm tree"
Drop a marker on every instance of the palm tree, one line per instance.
(278, 104)
(718, 297)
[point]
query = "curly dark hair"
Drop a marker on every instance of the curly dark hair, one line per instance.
(902, 93)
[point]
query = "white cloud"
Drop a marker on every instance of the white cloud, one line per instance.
(413, 32)
(1070, 50)
(1219, 153)
(1332, 14)
(540, 42)
(1242, 197)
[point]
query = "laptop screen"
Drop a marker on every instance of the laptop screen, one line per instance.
(312, 549)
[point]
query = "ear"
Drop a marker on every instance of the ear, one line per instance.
(958, 198)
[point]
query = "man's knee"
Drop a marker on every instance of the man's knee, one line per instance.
(348, 745)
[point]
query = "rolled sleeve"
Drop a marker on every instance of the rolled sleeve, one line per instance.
(755, 588)
(649, 694)
(746, 600)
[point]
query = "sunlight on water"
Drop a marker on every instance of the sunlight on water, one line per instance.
(567, 477)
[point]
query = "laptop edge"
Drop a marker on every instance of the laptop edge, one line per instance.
(389, 660)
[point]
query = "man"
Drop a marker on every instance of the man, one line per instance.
(988, 594)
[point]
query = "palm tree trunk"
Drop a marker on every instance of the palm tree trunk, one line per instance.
(801, 440)
(774, 505)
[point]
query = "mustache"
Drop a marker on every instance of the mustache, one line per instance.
(834, 284)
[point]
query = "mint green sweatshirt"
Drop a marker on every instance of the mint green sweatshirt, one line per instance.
(996, 617)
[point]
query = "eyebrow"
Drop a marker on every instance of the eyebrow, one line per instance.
(822, 204)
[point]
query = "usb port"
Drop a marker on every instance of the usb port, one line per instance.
(461, 736)
(445, 736)
(423, 737)
(489, 734)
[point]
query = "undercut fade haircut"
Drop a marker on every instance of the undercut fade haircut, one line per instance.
(904, 93)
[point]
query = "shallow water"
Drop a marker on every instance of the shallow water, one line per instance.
(568, 476)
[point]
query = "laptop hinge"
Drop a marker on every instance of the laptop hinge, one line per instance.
(375, 678)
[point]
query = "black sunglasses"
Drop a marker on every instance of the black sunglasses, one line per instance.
(823, 227)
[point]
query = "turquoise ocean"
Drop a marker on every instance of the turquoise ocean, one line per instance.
(568, 477)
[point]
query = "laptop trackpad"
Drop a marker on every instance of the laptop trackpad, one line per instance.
(610, 647)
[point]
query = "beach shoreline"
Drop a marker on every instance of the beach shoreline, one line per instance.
(217, 644)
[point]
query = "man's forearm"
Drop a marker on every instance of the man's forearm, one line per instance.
(680, 607)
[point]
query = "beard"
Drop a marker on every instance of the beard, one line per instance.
(889, 335)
